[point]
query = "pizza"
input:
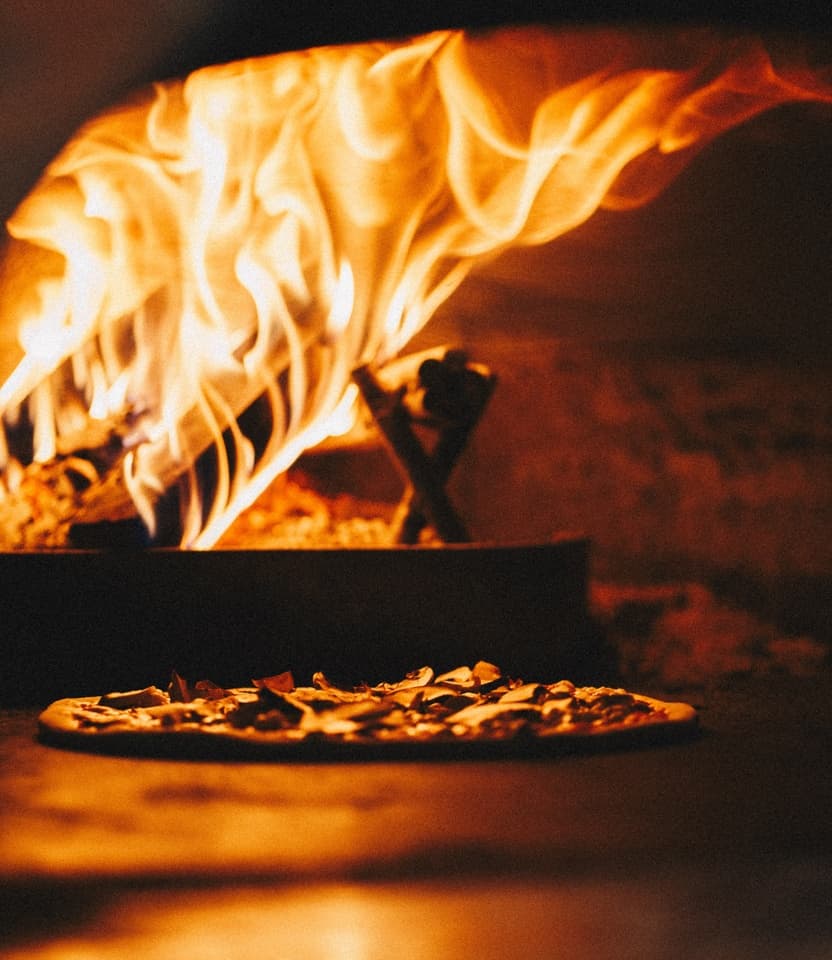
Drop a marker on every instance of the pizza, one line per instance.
(469, 711)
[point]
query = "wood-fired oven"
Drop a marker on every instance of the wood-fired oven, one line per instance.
(644, 496)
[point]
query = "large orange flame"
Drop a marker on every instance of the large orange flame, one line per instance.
(264, 227)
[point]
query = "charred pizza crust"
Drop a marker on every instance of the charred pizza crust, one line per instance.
(468, 712)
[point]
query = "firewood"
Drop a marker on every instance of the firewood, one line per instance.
(453, 396)
(455, 412)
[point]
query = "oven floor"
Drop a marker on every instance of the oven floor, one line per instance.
(716, 847)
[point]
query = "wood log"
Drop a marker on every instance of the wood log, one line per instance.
(463, 391)
(415, 464)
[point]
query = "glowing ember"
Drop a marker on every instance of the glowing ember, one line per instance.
(291, 515)
(261, 229)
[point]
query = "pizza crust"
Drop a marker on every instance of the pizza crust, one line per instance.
(464, 713)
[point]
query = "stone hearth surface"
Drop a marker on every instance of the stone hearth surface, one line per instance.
(716, 846)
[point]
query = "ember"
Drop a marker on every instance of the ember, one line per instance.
(291, 514)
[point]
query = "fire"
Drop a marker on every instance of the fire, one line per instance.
(254, 233)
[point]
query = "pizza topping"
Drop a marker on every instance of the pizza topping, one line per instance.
(173, 714)
(335, 693)
(463, 704)
(527, 692)
(466, 678)
(280, 683)
(562, 690)
(417, 678)
(92, 715)
(180, 691)
(210, 691)
(148, 697)
(269, 710)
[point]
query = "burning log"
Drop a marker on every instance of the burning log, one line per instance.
(80, 499)
(449, 398)
(409, 455)
(40, 502)
(452, 398)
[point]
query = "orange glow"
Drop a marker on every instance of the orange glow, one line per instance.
(262, 228)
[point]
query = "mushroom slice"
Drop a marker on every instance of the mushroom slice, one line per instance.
(526, 693)
(485, 672)
(148, 697)
(461, 678)
(480, 713)
(348, 717)
(418, 678)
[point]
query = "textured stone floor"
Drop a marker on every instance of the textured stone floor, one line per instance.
(719, 846)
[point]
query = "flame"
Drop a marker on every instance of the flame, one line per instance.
(255, 232)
